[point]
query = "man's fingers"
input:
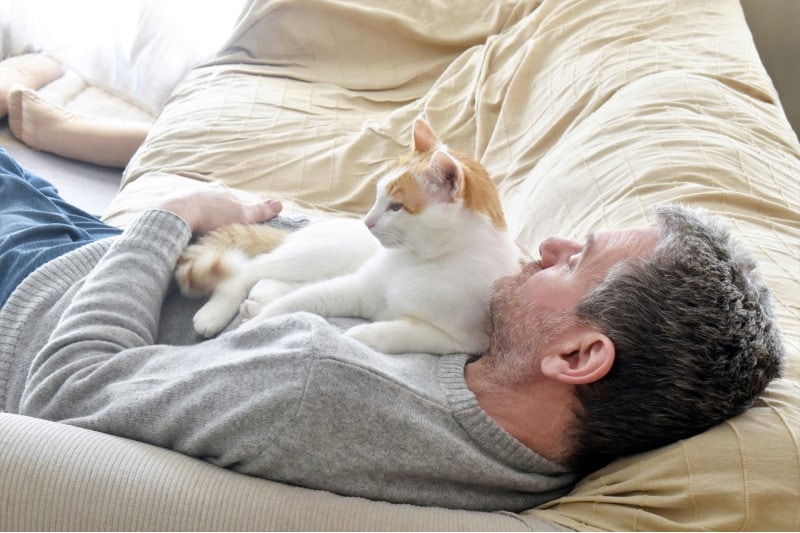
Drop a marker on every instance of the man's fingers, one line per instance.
(211, 208)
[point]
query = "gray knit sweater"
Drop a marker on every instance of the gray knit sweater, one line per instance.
(101, 339)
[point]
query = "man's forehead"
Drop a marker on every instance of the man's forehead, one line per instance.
(622, 243)
(639, 239)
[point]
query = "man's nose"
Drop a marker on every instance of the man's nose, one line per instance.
(554, 250)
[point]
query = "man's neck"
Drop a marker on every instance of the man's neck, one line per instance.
(536, 412)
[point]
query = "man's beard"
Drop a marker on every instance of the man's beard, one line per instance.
(520, 328)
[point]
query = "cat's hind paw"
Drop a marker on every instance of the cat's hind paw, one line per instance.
(263, 293)
(250, 308)
(258, 313)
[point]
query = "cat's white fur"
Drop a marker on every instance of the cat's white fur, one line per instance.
(317, 252)
(424, 279)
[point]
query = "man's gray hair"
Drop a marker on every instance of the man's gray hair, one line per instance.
(695, 336)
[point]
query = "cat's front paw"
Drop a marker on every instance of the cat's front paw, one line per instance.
(211, 319)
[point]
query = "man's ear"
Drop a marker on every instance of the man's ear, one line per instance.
(584, 358)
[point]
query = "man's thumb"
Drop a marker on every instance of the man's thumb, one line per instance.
(267, 209)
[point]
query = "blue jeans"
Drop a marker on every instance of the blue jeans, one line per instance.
(37, 225)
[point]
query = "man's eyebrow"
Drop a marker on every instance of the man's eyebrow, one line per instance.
(588, 247)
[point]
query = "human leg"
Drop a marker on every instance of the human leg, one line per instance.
(49, 127)
(37, 225)
(29, 70)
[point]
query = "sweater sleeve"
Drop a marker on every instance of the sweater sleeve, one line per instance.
(103, 370)
(118, 307)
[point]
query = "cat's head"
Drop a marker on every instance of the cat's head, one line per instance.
(432, 189)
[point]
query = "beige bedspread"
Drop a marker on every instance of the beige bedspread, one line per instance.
(585, 112)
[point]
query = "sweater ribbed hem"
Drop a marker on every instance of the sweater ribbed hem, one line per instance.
(482, 428)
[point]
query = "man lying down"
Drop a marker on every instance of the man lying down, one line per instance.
(664, 331)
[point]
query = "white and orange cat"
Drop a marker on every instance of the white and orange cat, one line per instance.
(420, 266)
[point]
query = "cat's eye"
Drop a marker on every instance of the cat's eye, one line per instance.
(394, 206)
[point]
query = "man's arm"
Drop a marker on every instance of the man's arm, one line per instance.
(92, 368)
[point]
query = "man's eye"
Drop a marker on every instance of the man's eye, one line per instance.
(394, 206)
(571, 262)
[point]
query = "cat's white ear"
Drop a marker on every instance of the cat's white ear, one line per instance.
(423, 138)
(447, 172)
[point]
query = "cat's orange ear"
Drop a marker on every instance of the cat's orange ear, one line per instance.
(447, 172)
(423, 138)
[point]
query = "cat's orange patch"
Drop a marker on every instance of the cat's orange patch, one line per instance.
(479, 192)
(406, 189)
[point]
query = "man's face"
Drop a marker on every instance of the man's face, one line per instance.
(533, 309)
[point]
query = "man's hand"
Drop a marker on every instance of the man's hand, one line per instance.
(218, 206)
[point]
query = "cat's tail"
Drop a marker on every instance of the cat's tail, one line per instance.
(221, 254)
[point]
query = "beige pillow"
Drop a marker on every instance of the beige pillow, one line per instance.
(742, 475)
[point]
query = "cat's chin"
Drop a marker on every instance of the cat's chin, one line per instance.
(394, 245)
(387, 241)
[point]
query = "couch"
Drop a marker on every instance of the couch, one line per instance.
(585, 113)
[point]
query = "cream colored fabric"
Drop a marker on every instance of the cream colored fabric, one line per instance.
(317, 98)
(78, 96)
(585, 112)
